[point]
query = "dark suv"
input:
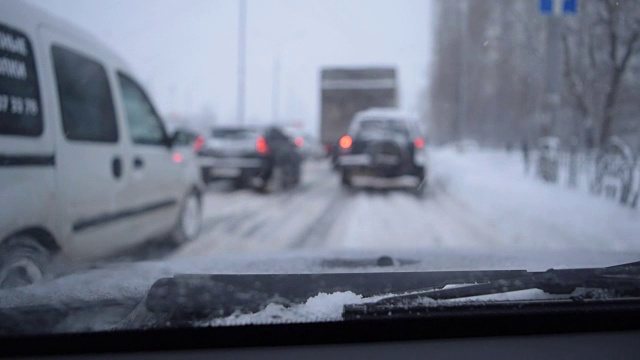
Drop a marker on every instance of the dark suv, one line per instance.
(261, 157)
(383, 143)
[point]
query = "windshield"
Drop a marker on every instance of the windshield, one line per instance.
(143, 140)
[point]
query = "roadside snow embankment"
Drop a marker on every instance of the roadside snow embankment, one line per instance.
(530, 213)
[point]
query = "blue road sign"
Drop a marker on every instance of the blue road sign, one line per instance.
(559, 7)
(570, 7)
(546, 6)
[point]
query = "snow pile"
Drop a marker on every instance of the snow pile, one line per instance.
(530, 213)
(322, 307)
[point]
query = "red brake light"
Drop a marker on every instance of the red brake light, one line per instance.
(299, 141)
(346, 141)
(418, 143)
(261, 146)
(198, 144)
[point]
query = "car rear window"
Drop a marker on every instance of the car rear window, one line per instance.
(236, 134)
(373, 125)
(19, 92)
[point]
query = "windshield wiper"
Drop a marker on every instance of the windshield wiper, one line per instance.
(618, 281)
(188, 297)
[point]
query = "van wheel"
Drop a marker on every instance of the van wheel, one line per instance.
(23, 261)
(189, 220)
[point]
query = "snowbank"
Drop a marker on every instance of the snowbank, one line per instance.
(483, 199)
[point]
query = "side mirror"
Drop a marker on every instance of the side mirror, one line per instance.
(171, 139)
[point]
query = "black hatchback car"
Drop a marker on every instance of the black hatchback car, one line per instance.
(383, 143)
(261, 157)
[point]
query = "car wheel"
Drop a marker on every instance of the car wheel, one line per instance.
(420, 188)
(23, 261)
(189, 220)
(297, 176)
(291, 177)
(346, 178)
(274, 182)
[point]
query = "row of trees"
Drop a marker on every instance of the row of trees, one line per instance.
(503, 72)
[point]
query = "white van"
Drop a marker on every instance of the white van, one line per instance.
(86, 165)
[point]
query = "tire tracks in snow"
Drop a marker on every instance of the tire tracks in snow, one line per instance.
(317, 232)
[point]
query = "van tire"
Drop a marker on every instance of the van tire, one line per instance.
(189, 222)
(23, 261)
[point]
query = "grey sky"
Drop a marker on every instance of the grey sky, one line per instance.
(186, 51)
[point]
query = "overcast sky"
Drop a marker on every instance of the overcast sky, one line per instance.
(185, 52)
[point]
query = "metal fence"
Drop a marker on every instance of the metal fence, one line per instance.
(612, 172)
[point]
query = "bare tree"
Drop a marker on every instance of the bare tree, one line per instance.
(622, 23)
(501, 73)
(599, 53)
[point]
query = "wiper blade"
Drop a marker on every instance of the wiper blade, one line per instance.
(623, 280)
(199, 296)
(188, 297)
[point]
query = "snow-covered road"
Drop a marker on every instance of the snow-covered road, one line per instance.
(474, 200)
(480, 212)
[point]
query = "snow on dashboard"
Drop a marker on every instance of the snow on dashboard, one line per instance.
(329, 307)
(322, 307)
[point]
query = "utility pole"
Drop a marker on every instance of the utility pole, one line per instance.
(275, 92)
(242, 18)
(555, 10)
(553, 66)
(462, 76)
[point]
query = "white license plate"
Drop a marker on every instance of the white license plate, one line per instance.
(386, 159)
(225, 172)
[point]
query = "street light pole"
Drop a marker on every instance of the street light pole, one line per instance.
(275, 92)
(461, 127)
(242, 15)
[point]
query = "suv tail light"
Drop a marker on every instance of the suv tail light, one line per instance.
(261, 146)
(346, 142)
(299, 141)
(198, 144)
(418, 143)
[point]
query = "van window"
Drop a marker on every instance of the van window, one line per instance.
(144, 124)
(19, 92)
(85, 98)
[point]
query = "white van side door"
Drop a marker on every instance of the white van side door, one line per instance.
(154, 182)
(90, 173)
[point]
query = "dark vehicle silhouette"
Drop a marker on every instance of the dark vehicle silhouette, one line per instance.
(260, 157)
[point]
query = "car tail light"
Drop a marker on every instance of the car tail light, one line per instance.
(418, 143)
(198, 144)
(346, 142)
(261, 146)
(299, 141)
